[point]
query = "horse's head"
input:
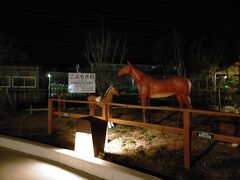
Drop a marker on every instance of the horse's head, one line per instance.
(114, 90)
(133, 71)
(124, 70)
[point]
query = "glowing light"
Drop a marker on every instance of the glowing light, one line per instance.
(225, 77)
(84, 144)
(47, 171)
(71, 88)
(16, 165)
(76, 155)
(49, 84)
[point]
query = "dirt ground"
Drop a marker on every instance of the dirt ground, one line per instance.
(147, 150)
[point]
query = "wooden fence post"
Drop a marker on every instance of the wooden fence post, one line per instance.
(109, 107)
(187, 139)
(59, 104)
(105, 111)
(50, 115)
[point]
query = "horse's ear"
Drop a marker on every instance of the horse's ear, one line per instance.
(128, 62)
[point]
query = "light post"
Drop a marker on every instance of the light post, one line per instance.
(49, 85)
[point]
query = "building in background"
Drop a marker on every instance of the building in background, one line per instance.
(21, 84)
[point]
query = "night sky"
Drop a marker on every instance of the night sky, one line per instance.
(55, 31)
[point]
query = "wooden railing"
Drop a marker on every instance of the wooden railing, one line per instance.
(186, 131)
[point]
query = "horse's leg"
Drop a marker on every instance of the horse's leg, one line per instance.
(187, 101)
(144, 103)
(110, 124)
(183, 100)
(180, 103)
(92, 108)
(148, 112)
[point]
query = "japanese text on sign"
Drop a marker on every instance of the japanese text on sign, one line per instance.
(205, 135)
(81, 83)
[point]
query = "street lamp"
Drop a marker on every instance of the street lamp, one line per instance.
(49, 85)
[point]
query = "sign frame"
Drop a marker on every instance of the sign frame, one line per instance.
(81, 83)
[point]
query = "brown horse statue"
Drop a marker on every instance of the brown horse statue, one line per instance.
(149, 87)
(107, 98)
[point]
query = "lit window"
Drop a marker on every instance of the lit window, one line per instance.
(24, 82)
(5, 81)
(30, 82)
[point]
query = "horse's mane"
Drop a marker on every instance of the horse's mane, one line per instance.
(108, 90)
(137, 72)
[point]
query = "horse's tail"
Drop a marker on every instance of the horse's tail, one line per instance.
(190, 92)
(91, 98)
(91, 106)
(189, 87)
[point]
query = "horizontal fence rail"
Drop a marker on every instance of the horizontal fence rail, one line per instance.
(186, 131)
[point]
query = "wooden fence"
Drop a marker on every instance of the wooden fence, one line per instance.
(186, 131)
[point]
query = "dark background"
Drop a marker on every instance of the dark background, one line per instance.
(53, 32)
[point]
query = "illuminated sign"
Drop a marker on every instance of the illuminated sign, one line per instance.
(205, 135)
(81, 83)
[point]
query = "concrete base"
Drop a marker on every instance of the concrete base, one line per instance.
(93, 166)
(90, 136)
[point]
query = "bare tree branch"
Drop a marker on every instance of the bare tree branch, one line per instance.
(103, 49)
